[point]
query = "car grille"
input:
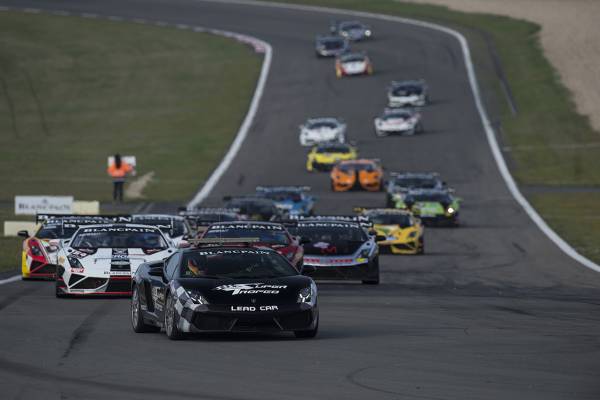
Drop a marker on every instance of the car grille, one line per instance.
(296, 321)
(253, 325)
(89, 283)
(119, 285)
(212, 322)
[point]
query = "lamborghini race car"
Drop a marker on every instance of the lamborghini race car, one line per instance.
(351, 64)
(200, 218)
(268, 234)
(403, 232)
(398, 121)
(331, 46)
(339, 248)
(408, 93)
(175, 227)
(433, 206)
(292, 199)
(399, 183)
(39, 255)
(362, 174)
(324, 156)
(100, 259)
(351, 30)
(224, 288)
(322, 130)
(255, 208)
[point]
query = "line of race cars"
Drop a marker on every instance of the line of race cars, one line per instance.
(250, 265)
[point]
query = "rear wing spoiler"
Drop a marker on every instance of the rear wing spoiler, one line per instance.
(362, 220)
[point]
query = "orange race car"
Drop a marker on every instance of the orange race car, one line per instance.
(366, 174)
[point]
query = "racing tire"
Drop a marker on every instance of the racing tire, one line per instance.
(373, 280)
(137, 320)
(59, 293)
(308, 334)
(421, 248)
(170, 323)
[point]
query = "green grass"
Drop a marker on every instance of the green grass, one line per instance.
(548, 137)
(576, 216)
(10, 253)
(173, 98)
(73, 91)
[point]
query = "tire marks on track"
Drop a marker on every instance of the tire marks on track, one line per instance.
(83, 331)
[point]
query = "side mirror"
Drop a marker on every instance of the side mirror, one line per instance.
(23, 234)
(304, 240)
(308, 269)
(157, 269)
(184, 244)
(380, 238)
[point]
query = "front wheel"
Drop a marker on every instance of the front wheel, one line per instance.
(308, 334)
(171, 328)
(421, 248)
(137, 320)
(374, 275)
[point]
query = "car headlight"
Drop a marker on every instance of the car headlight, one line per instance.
(413, 234)
(196, 297)
(451, 210)
(74, 262)
(367, 32)
(308, 294)
(364, 253)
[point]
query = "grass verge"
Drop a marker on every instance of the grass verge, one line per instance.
(74, 90)
(548, 141)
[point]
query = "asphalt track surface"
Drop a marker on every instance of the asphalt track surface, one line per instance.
(493, 310)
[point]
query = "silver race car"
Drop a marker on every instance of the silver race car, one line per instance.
(331, 46)
(352, 30)
(101, 259)
(398, 121)
(320, 130)
(408, 93)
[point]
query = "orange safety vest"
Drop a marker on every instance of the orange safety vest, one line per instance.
(117, 173)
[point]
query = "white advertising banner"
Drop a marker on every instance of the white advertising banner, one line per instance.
(30, 205)
(131, 160)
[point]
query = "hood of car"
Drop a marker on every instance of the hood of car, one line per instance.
(274, 291)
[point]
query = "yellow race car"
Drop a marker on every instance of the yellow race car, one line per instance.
(403, 232)
(324, 156)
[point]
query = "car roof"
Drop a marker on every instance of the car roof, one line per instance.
(360, 161)
(429, 191)
(323, 119)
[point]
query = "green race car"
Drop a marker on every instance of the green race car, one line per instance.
(432, 206)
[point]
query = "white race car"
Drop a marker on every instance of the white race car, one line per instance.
(351, 64)
(320, 130)
(407, 93)
(101, 259)
(401, 121)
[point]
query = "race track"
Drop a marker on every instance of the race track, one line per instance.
(493, 310)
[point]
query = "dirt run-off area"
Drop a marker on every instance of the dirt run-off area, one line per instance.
(570, 37)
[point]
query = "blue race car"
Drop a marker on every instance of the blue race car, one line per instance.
(292, 199)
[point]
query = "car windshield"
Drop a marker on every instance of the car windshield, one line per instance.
(422, 183)
(353, 58)
(119, 237)
(322, 125)
(171, 226)
(253, 206)
(348, 167)
(213, 217)
(331, 238)
(333, 149)
(429, 197)
(296, 197)
(346, 26)
(55, 231)
(266, 233)
(234, 263)
(333, 44)
(407, 90)
(396, 115)
(402, 220)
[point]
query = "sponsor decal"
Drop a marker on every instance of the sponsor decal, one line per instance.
(226, 227)
(326, 225)
(120, 254)
(251, 288)
(253, 308)
(117, 273)
(77, 270)
(120, 229)
(240, 251)
(31, 205)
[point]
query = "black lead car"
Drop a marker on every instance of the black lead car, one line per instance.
(224, 286)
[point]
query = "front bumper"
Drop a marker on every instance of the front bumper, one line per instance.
(343, 272)
(439, 220)
(90, 286)
(211, 318)
(399, 247)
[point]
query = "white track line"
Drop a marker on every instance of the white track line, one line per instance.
(11, 279)
(487, 126)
